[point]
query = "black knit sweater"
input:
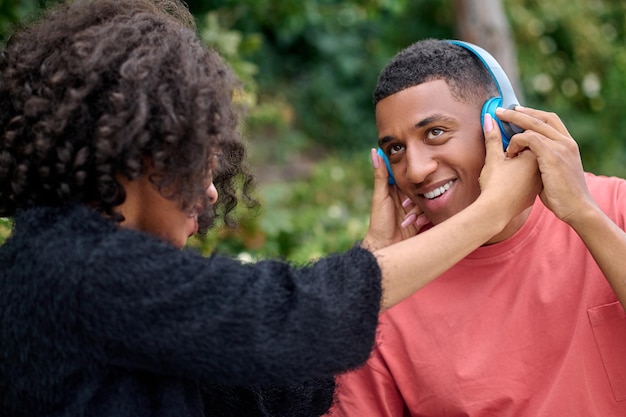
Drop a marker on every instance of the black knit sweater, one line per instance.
(97, 320)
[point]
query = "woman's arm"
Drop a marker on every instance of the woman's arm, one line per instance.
(147, 305)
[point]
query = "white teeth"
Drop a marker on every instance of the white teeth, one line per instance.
(438, 191)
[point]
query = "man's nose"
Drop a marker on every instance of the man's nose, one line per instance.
(420, 163)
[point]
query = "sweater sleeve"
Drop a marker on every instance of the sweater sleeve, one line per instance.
(154, 307)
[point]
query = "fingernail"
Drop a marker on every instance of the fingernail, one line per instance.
(406, 202)
(375, 158)
(488, 122)
(408, 220)
(421, 220)
(500, 110)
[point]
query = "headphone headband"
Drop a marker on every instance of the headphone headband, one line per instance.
(497, 73)
(507, 98)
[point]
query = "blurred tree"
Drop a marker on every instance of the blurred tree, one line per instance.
(491, 31)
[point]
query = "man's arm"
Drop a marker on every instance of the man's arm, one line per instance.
(565, 190)
(606, 243)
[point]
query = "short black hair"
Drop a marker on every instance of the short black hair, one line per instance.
(98, 89)
(434, 59)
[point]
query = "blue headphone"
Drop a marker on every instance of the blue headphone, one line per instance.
(506, 98)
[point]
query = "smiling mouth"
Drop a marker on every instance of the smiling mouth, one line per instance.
(437, 192)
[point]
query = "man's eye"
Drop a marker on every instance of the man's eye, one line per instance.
(434, 133)
(395, 149)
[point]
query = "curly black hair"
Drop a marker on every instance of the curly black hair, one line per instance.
(100, 89)
(434, 59)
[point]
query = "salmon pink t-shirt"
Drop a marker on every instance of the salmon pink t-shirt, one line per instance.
(528, 327)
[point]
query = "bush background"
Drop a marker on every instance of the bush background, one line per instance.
(309, 67)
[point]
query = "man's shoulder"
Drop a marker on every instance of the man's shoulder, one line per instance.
(600, 180)
(609, 192)
(600, 185)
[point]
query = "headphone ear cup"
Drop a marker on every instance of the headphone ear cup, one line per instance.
(490, 107)
(383, 156)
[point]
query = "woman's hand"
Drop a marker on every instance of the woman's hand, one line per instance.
(508, 184)
(393, 217)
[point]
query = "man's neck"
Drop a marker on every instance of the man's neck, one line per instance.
(514, 225)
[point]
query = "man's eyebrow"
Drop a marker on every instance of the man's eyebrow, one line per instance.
(435, 118)
(384, 139)
(432, 119)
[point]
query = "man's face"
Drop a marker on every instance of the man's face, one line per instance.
(435, 146)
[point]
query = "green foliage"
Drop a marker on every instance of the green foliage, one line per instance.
(231, 45)
(573, 63)
(5, 229)
(323, 58)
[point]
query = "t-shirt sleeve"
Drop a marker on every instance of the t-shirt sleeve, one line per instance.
(610, 194)
(369, 391)
(152, 306)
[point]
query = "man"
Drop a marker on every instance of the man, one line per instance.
(529, 324)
